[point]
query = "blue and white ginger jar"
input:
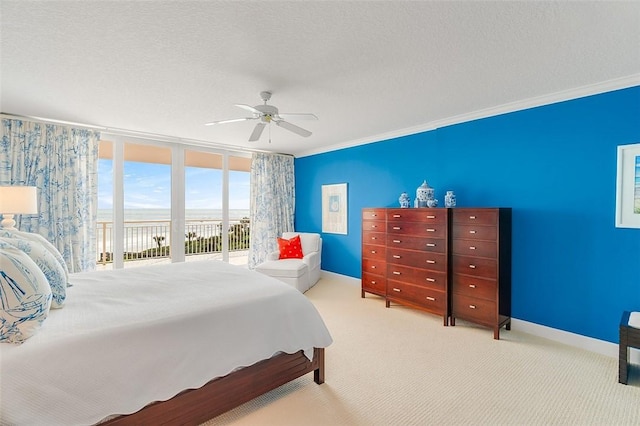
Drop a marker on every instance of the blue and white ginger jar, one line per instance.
(404, 200)
(450, 199)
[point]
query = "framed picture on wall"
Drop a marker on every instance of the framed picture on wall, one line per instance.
(334, 208)
(628, 187)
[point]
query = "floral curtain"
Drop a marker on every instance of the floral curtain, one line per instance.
(62, 163)
(272, 204)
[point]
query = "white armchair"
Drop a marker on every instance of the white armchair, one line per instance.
(300, 273)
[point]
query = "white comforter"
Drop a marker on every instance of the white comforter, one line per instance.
(129, 337)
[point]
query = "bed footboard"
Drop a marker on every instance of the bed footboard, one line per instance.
(196, 406)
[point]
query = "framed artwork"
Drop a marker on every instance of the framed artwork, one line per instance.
(334, 208)
(628, 187)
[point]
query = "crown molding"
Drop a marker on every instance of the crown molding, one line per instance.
(565, 95)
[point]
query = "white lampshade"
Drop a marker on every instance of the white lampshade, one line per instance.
(17, 200)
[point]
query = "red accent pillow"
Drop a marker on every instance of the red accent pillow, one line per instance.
(290, 249)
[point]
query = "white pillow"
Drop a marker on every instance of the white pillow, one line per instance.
(25, 295)
(48, 265)
(13, 233)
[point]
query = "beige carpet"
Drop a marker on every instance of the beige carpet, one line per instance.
(399, 366)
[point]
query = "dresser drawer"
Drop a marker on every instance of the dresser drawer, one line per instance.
(431, 299)
(475, 232)
(373, 225)
(374, 252)
(419, 259)
(479, 248)
(476, 266)
(437, 245)
(374, 283)
(474, 287)
(429, 230)
(474, 309)
(419, 277)
(374, 266)
(432, 279)
(475, 216)
(424, 215)
(372, 237)
(373, 214)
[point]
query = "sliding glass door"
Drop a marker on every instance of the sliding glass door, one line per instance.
(162, 203)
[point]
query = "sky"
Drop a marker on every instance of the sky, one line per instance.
(148, 186)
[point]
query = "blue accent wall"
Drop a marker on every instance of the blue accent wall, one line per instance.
(555, 165)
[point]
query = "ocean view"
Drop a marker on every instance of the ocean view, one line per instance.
(106, 215)
(143, 227)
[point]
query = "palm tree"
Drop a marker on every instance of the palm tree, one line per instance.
(158, 239)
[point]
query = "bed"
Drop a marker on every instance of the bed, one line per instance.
(171, 344)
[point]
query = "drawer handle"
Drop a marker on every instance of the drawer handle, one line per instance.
(431, 216)
(472, 286)
(431, 280)
(374, 238)
(472, 217)
(472, 306)
(431, 261)
(397, 241)
(397, 289)
(373, 282)
(397, 273)
(431, 244)
(433, 299)
(431, 230)
(374, 215)
(396, 215)
(472, 232)
(472, 248)
(374, 226)
(373, 251)
(373, 267)
(395, 256)
(472, 266)
(396, 228)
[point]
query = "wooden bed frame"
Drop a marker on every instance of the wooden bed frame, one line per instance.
(196, 406)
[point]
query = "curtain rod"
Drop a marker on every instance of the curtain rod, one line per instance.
(142, 135)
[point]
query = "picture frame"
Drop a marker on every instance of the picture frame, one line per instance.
(628, 187)
(334, 208)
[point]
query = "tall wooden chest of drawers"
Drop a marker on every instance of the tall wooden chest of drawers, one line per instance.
(374, 252)
(409, 257)
(417, 261)
(481, 267)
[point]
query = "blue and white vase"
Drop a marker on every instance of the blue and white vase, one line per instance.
(450, 199)
(424, 193)
(432, 202)
(404, 200)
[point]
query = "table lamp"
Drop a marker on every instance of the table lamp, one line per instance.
(17, 200)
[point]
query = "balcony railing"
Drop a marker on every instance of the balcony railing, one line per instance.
(151, 239)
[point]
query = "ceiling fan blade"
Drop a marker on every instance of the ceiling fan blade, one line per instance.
(298, 115)
(233, 120)
(249, 108)
(293, 128)
(257, 131)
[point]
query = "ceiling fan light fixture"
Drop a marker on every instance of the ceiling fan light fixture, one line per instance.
(267, 114)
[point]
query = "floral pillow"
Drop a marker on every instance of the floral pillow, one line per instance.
(49, 266)
(290, 249)
(14, 233)
(25, 296)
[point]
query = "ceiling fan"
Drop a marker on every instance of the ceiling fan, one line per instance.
(267, 114)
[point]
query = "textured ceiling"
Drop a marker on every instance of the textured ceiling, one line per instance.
(368, 70)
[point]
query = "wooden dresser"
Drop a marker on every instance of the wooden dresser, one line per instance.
(481, 267)
(374, 252)
(407, 262)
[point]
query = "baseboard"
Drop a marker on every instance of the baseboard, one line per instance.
(565, 337)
